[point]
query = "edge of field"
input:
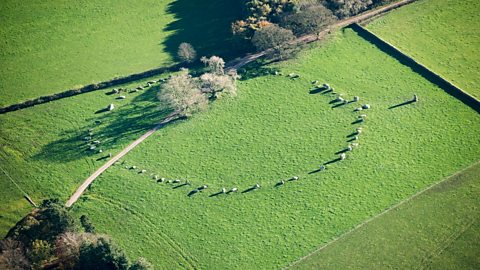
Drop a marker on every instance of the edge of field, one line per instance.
(449, 184)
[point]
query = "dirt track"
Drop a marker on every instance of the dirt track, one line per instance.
(89, 180)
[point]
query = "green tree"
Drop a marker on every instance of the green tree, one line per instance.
(141, 264)
(346, 8)
(86, 224)
(279, 42)
(102, 255)
(40, 252)
(308, 18)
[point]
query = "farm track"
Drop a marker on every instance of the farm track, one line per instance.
(395, 206)
(232, 65)
(171, 117)
(189, 261)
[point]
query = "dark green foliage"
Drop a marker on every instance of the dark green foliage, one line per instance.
(141, 264)
(346, 8)
(39, 252)
(259, 14)
(281, 42)
(308, 18)
(45, 223)
(48, 235)
(86, 224)
(102, 255)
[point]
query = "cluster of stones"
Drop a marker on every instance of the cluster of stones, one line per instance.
(118, 91)
(342, 154)
(92, 144)
(360, 119)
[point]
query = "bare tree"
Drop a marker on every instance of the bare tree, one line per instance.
(12, 255)
(186, 52)
(182, 94)
(218, 85)
(215, 64)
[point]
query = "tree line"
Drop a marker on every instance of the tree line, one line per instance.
(274, 24)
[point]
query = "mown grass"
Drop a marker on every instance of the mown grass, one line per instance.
(443, 35)
(273, 130)
(51, 46)
(43, 148)
(436, 230)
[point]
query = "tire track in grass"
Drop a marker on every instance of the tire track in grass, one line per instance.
(393, 207)
(190, 262)
(427, 260)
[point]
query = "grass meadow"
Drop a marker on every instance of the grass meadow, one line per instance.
(43, 149)
(273, 130)
(437, 230)
(443, 35)
(51, 46)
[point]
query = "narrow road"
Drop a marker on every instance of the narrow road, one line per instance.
(89, 180)
(233, 65)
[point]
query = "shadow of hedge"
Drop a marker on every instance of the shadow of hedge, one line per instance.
(120, 126)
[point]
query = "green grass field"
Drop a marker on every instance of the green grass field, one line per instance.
(437, 230)
(273, 130)
(51, 46)
(443, 35)
(42, 147)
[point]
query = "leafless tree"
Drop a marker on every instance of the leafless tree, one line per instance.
(186, 52)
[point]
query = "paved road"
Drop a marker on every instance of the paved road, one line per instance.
(236, 64)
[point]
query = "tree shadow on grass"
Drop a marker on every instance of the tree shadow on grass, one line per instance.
(256, 69)
(206, 25)
(120, 126)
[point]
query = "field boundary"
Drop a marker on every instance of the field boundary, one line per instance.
(393, 207)
(89, 88)
(417, 67)
(234, 64)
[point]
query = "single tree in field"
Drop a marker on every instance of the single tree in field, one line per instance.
(215, 64)
(279, 42)
(182, 94)
(186, 53)
(309, 18)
